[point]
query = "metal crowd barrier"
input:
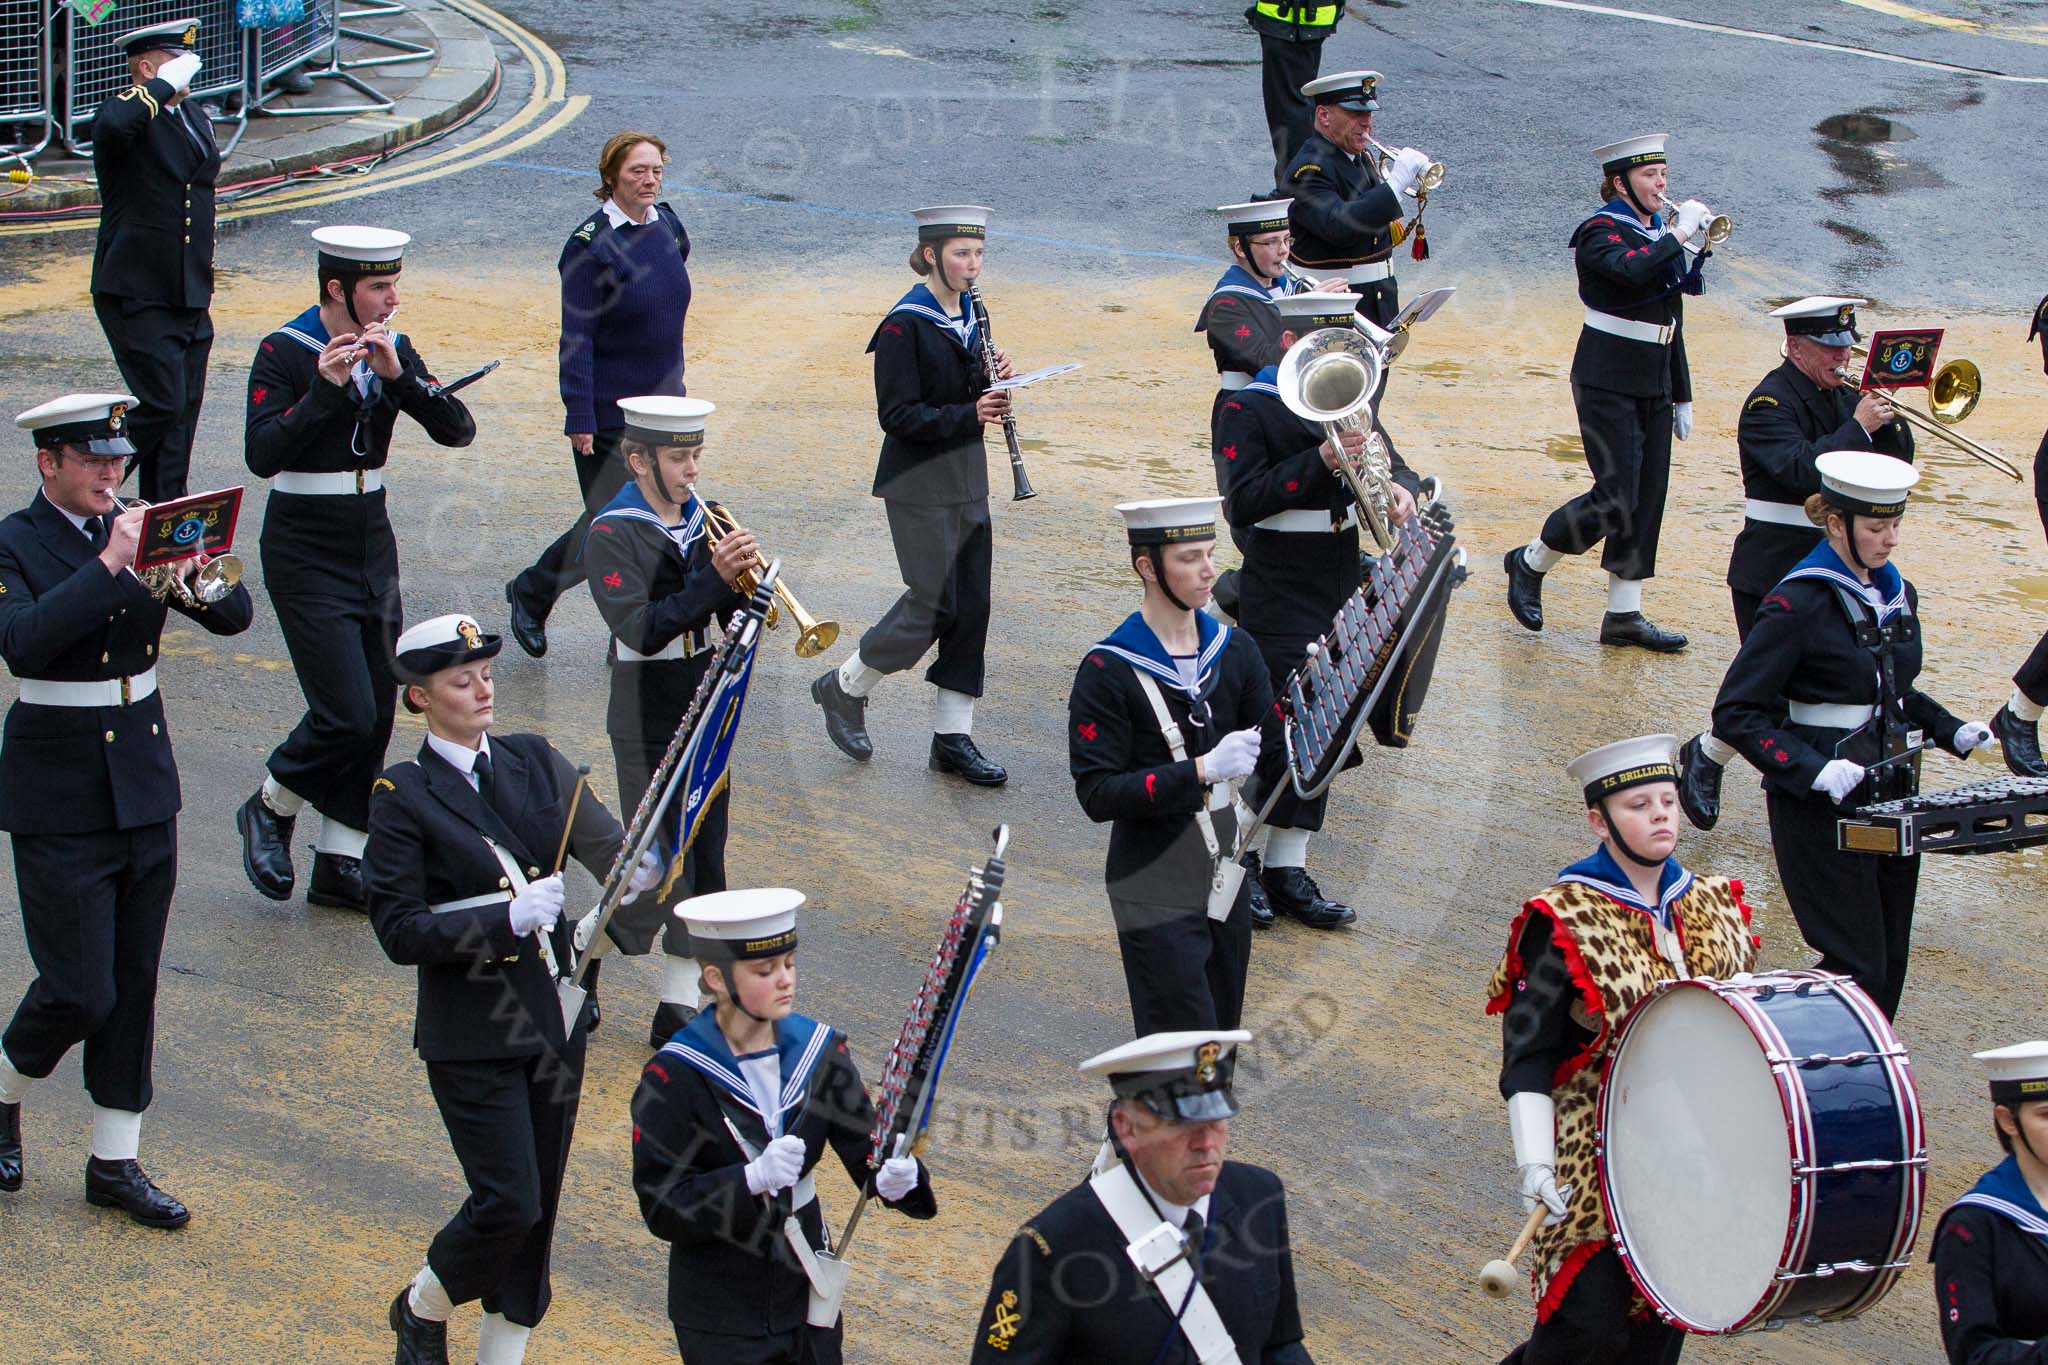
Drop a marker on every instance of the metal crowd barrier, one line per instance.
(294, 45)
(402, 50)
(94, 68)
(25, 77)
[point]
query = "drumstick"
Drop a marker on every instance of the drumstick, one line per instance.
(1498, 1278)
(582, 781)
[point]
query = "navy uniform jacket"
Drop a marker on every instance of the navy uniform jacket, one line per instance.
(1065, 1293)
(928, 374)
(1632, 272)
(1788, 421)
(483, 993)
(1991, 1287)
(64, 618)
(156, 168)
(1344, 215)
(1244, 330)
(321, 544)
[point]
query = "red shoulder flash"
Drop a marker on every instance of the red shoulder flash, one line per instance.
(657, 1069)
(1777, 598)
(1151, 786)
(1095, 659)
(268, 347)
(601, 526)
(1233, 406)
(892, 329)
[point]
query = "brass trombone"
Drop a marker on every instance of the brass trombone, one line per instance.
(1431, 177)
(814, 637)
(1951, 396)
(216, 577)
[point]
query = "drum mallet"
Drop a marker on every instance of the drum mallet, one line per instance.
(1499, 1278)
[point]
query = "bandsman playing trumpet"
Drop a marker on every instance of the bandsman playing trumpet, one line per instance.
(89, 789)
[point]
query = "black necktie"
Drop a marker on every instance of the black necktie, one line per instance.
(1192, 1230)
(96, 532)
(486, 785)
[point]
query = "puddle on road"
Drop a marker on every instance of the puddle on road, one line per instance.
(1569, 449)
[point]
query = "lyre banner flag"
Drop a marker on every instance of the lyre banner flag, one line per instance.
(202, 524)
(1902, 359)
(700, 775)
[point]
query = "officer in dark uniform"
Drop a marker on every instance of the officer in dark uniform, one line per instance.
(89, 790)
(1632, 389)
(1290, 53)
(1300, 564)
(324, 395)
(2017, 724)
(1801, 410)
(152, 271)
(1166, 1254)
(664, 591)
(463, 885)
(931, 388)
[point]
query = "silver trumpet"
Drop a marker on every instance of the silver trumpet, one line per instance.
(1329, 377)
(215, 578)
(1431, 177)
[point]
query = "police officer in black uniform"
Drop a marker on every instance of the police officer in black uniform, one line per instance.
(463, 885)
(1167, 1254)
(1633, 391)
(1291, 39)
(89, 790)
(1801, 410)
(324, 395)
(2017, 724)
(154, 156)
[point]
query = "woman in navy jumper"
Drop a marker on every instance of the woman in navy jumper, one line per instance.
(625, 290)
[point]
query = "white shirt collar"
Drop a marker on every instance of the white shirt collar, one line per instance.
(1176, 1214)
(461, 759)
(618, 217)
(67, 514)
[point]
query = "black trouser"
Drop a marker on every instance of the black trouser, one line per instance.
(1628, 448)
(1746, 604)
(161, 353)
(945, 555)
(510, 1121)
(633, 926)
(93, 908)
(559, 570)
(1183, 969)
(1285, 67)
(798, 1346)
(2032, 679)
(341, 649)
(1591, 1324)
(1854, 909)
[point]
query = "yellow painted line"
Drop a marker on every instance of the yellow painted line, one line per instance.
(1918, 16)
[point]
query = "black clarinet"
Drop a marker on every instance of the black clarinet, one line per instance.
(1018, 474)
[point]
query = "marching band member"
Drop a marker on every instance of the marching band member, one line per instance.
(730, 1121)
(1169, 680)
(931, 387)
(1822, 690)
(1166, 1254)
(2017, 724)
(89, 790)
(1581, 954)
(1346, 216)
(663, 589)
(1300, 564)
(1801, 410)
(454, 868)
(1991, 1246)
(1633, 391)
(324, 394)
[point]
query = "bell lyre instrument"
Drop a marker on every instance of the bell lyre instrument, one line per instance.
(214, 579)
(814, 637)
(1329, 377)
(1432, 176)
(1718, 229)
(1019, 476)
(1952, 395)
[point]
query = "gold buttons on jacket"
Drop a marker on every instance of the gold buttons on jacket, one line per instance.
(105, 657)
(504, 883)
(110, 736)
(149, 649)
(152, 728)
(533, 872)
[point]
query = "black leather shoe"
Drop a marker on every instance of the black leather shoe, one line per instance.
(122, 1185)
(1255, 901)
(1525, 590)
(2020, 742)
(1295, 894)
(420, 1342)
(669, 1020)
(1699, 785)
(956, 754)
(10, 1147)
(292, 82)
(1634, 628)
(846, 716)
(266, 847)
(529, 630)
(1224, 593)
(337, 883)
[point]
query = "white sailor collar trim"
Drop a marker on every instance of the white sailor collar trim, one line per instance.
(2026, 1221)
(1625, 894)
(1856, 587)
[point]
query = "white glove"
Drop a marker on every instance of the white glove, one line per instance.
(1839, 778)
(586, 930)
(780, 1165)
(1532, 1121)
(898, 1175)
(645, 874)
(538, 906)
(1692, 217)
(1681, 420)
(179, 71)
(1404, 172)
(1539, 1184)
(1973, 736)
(1233, 758)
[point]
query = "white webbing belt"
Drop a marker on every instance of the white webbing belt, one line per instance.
(1309, 519)
(1222, 882)
(1162, 1257)
(1831, 715)
(828, 1283)
(1232, 379)
(1371, 272)
(688, 645)
(99, 692)
(472, 902)
(512, 875)
(1777, 513)
(329, 485)
(1628, 327)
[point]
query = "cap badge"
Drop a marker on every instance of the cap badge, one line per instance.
(472, 638)
(191, 35)
(1205, 1062)
(114, 415)
(1845, 315)
(1365, 86)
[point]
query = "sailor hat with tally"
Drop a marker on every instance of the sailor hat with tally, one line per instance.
(1865, 482)
(1829, 319)
(442, 642)
(656, 420)
(1170, 521)
(1626, 763)
(96, 423)
(174, 35)
(361, 250)
(941, 221)
(1305, 313)
(2018, 1074)
(1181, 1077)
(735, 925)
(1630, 153)
(1353, 90)
(1255, 217)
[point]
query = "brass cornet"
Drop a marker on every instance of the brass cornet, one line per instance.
(1719, 227)
(814, 637)
(1432, 177)
(216, 577)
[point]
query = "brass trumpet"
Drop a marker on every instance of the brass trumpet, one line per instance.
(1951, 396)
(1431, 178)
(216, 577)
(814, 637)
(1719, 227)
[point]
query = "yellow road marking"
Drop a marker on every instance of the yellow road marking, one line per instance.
(2011, 33)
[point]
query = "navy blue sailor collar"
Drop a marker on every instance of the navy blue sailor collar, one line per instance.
(1624, 213)
(310, 332)
(1238, 280)
(631, 503)
(800, 1044)
(1603, 874)
(1134, 643)
(921, 301)
(1265, 381)
(2004, 1191)
(1823, 563)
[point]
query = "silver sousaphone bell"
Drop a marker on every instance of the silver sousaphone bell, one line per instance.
(1330, 376)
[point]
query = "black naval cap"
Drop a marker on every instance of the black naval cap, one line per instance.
(1181, 1077)
(1830, 319)
(1357, 91)
(443, 642)
(176, 35)
(95, 423)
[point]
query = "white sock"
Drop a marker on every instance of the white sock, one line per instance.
(679, 978)
(1624, 594)
(856, 679)
(500, 1341)
(339, 840)
(1714, 751)
(1540, 557)
(116, 1134)
(281, 799)
(2023, 707)
(1287, 848)
(427, 1299)
(13, 1085)
(952, 713)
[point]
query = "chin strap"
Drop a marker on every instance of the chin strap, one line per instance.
(1614, 833)
(1849, 529)
(1152, 552)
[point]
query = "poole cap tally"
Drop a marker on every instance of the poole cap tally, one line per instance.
(1829, 319)
(1170, 521)
(2018, 1074)
(941, 221)
(1182, 1077)
(442, 642)
(1629, 153)
(1866, 482)
(361, 250)
(1626, 763)
(1353, 90)
(742, 924)
(657, 420)
(1306, 312)
(175, 35)
(1255, 217)
(96, 423)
